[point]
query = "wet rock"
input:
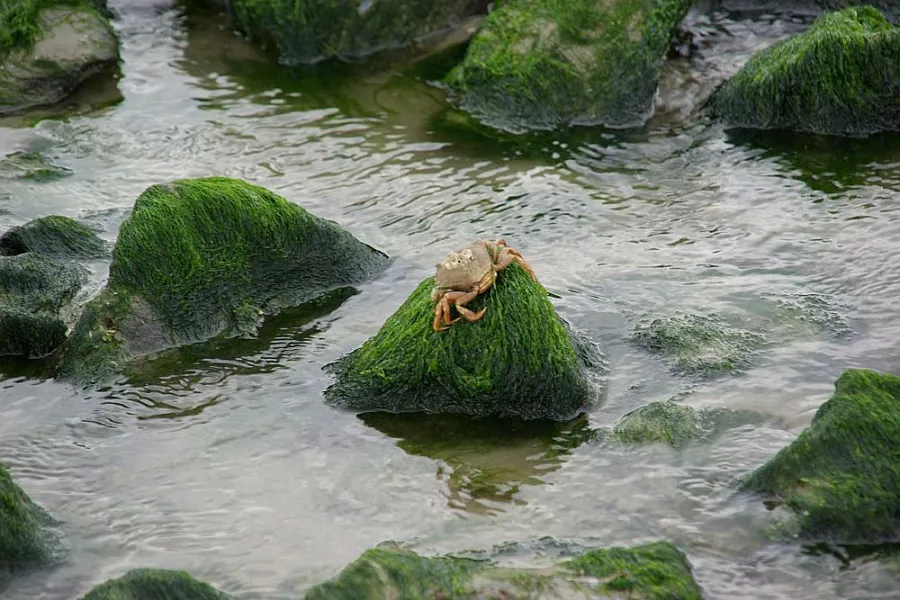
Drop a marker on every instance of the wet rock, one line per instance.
(25, 538)
(519, 360)
(317, 30)
(543, 64)
(698, 344)
(31, 165)
(53, 236)
(48, 50)
(200, 258)
(677, 425)
(34, 290)
(155, 584)
(841, 476)
(840, 78)
(657, 571)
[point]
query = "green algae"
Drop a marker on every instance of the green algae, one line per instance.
(657, 571)
(545, 64)
(32, 166)
(841, 476)
(840, 77)
(519, 360)
(155, 584)
(20, 20)
(24, 539)
(698, 344)
(309, 31)
(54, 236)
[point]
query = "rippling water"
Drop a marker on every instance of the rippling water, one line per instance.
(222, 459)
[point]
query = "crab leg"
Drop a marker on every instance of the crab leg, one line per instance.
(508, 255)
(465, 312)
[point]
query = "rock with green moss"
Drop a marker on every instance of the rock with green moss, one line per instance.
(34, 290)
(26, 540)
(544, 64)
(48, 49)
(657, 571)
(200, 258)
(155, 584)
(33, 166)
(309, 31)
(519, 360)
(840, 77)
(698, 344)
(841, 476)
(54, 236)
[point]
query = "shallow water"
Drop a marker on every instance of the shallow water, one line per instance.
(223, 460)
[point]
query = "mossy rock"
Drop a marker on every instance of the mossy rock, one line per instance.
(698, 344)
(25, 540)
(519, 360)
(54, 236)
(546, 64)
(32, 166)
(678, 425)
(840, 77)
(841, 476)
(200, 258)
(657, 571)
(309, 31)
(155, 584)
(33, 291)
(48, 49)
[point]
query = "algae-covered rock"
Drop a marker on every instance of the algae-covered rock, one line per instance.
(33, 291)
(519, 360)
(155, 584)
(544, 64)
(309, 31)
(48, 49)
(54, 236)
(657, 571)
(698, 344)
(30, 165)
(25, 540)
(199, 258)
(840, 77)
(841, 476)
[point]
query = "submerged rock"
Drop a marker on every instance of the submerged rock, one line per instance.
(698, 344)
(841, 477)
(519, 360)
(840, 77)
(657, 571)
(48, 49)
(25, 540)
(54, 236)
(314, 30)
(30, 165)
(545, 64)
(155, 584)
(199, 258)
(34, 290)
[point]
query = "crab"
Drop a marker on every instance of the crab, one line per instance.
(465, 274)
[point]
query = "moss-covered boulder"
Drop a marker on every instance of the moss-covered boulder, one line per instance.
(205, 257)
(657, 571)
(34, 290)
(841, 477)
(543, 64)
(54, 236)
(309, 31)
(519, 360)
(840, 77)
(48, 49)
(696, 344)
(155, 584)
(25, 540)
(33, 166)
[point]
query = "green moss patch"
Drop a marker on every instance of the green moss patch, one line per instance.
(543, 64)
(840, 77)
(33, 166)
(20, 20)
(841, 477)
(518, 360)
(54, 236)
(155, 584)
(25, 541)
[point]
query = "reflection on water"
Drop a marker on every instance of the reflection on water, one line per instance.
(223, 459)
